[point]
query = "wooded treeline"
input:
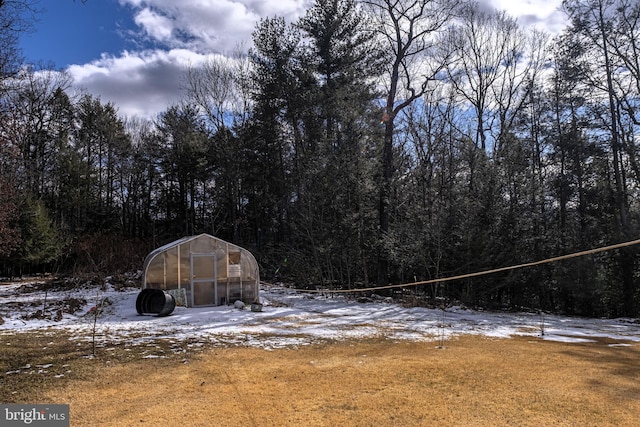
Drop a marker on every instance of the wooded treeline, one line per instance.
(378, 141)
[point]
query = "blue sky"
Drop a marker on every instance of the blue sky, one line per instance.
(134, 53)
(71, 32)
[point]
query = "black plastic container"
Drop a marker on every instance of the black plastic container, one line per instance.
(155, 301)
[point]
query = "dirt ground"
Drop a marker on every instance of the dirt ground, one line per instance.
(473, 381)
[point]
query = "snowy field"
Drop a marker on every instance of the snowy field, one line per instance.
(288, 319)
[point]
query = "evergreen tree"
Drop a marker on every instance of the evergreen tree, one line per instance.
(335, 210)
(9, 213)
(41, 242)
(99, 146)
(273, 137)
(183, 146)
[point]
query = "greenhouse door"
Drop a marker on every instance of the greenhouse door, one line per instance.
(204, 282)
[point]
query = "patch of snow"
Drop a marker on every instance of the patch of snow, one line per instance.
(288, 319)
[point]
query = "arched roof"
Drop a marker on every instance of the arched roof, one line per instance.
(179, 252)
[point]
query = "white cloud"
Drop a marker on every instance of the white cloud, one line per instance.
(138, 83)
(207, 25)
(542, 14)
(158, 27)
(144, 83)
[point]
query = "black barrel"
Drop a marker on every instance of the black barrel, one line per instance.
(155, 301)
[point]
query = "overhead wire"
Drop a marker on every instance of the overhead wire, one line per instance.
(478, 273)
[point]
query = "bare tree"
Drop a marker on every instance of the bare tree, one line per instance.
(594, 23)
(493, 61)
(626, 47)
(409, 29)
(209, 86)
(592, 20)
(218, 86)
(16, 19)
(33, 124)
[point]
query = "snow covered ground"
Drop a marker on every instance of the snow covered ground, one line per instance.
(288, 319)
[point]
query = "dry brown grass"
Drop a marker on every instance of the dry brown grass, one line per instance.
(472, 382)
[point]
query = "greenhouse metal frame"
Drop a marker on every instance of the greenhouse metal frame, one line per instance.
(209, 271)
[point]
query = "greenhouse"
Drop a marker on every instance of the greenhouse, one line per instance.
(205, 270)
